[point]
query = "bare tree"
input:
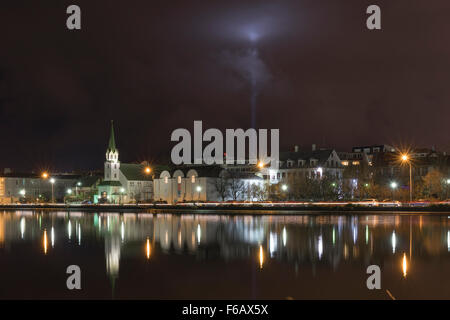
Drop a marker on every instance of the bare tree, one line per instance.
(236, 185)
(221, 185)
(259, 192)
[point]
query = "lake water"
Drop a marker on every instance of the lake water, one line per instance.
(192, 256)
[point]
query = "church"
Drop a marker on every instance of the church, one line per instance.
(123, 182)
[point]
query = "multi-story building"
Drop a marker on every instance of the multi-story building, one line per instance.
(31, 187)
(312, 164)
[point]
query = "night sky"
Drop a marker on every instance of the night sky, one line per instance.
(153, 66)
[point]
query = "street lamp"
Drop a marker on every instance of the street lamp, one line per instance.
(52, 181)
(284, 187)
(147, 170)
(122, 191)
(198, 190)
(69, 191)
(406, 158)
(22, 192)
(44, 175)
(393, 187)
(76, 187)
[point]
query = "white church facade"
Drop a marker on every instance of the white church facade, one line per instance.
(123, 182)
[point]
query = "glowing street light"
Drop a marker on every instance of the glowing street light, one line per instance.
(122, 191)
(394, 186)
(284, 187)
(260, 164)
(199, 189)
(147, 170)
(44, 175)
(52, 181)
(22, 192)
(406, 158)
(69, 191)
(76, 187)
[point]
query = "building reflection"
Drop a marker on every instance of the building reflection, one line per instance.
(306, 241)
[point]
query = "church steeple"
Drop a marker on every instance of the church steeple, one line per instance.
(112, 154)
(112, 140)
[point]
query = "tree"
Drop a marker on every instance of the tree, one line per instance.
(222, 187)
(432, 186)
(236, 185)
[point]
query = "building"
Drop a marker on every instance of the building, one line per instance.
(312, 164)
(207, 183)
(123, 182)
(388, 167)
(31, 187)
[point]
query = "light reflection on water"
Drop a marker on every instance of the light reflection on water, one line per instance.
(282, 249)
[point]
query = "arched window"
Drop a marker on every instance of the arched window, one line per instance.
(193, 179)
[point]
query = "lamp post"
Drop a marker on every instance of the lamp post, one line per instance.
(261, 166)
(406, 158)
(76, 188)
(52, 181)
(44, 176)
(198, 190)
(393, 187)
(122, 190)
(69, 193)
(147, 192)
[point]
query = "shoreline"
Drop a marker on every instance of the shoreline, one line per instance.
(228, 209)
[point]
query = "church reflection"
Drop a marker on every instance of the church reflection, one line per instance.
(307, 241)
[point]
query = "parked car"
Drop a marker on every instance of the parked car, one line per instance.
(390, 203)
(368, 202)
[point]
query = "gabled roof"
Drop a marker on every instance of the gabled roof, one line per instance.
(135, 172)
(89, 181)
(321, 155)
(110, 183)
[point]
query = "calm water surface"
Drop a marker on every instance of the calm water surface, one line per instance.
(166, 256)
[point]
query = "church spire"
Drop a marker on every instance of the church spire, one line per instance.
(112, 141)
(112, 154)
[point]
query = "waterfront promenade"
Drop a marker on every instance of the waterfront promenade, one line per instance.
(236, 208)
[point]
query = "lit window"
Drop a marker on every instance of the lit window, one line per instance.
(193, 179)
(355, 163)
(179, 179)
(166, 180)
(345, 163)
